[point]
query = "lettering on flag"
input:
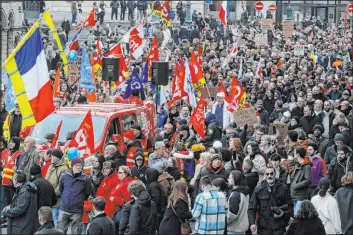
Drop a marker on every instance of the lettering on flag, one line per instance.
(197, 118)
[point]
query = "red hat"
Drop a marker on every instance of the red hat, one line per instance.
(130, 135)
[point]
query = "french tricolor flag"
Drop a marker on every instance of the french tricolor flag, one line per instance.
(74, 45)
(224, 13)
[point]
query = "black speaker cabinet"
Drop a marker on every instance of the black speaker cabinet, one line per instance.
(160, 73)
(111, 69)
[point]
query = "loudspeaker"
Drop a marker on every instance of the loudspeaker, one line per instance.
(160, 73)
(111, 69)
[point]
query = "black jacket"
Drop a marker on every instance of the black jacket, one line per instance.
(213, 133)
(143, 215)
(174, 171)
(306, 226)
(210, 172)
(301, 182)
(171, 221)
(251, 179)
(154, 189)
(139, 172)
(234, 199)
(96, 178)
(335, 172)
(23, 212)
(125, 215)
(265, 197)
(308, 123)
(48, 228)
(101, 225)
(3, 115)
(45, 192)
(118, 159)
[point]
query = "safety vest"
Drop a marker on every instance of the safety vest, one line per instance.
(171, 142)
(6, 127)
(9, 164)
(130, 157)
(144, 147)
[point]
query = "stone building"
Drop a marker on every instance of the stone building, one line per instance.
(11, 26)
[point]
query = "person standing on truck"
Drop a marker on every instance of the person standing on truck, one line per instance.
(130, 147)
(145, 141)
(135, 98)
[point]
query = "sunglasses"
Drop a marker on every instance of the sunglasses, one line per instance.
(270, 173)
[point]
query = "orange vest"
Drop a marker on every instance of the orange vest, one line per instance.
(130, 157)
(171, 142)
(9, 164)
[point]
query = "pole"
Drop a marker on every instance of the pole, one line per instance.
(188, 14)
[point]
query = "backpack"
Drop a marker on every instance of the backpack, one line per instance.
(166, 181)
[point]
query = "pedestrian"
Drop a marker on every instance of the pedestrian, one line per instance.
(318, 169)
(344, 198)
(122, 10)
(209, 209)
(65, 25)
(266, 215)
(57, 168)
(259, 162)
(238, 204)
(22, 213)
(139, 169)
(156, 192)
(114, 6)
(131, 5)
(158, 159)
(111, 153)
(73, 12)
(177, 212)
(28, 157)
(96, 175)
(46, 221)
(215, 168)
(13, 123)
(101, 224)
(46, 195)
(327, 208)
(75, 187)
(306, 221)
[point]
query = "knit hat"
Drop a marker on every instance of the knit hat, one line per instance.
(75, 161)
(129, 135)
(318, 126)
(296, 118)
(339, 137)
(57, 153)
(35, 169)
(217, 144)
(215, 156)
(197, 148)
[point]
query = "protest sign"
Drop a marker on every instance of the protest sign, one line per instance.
(261, 40)
(211, 93)
(299, 50)
(245, 116)
(288, 28)
(282, 130)
(73, 72)
(267, 24)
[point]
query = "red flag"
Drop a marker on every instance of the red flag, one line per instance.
(98, 51)
(117, 51)
(196, 71)
(135, 43)
(84, 138)
(224, 90)
(199, 54)
(178, 90)
(89, 21)
(153, 55)
(56, 87)
(237, 96)
(197, 118)
(54, 143)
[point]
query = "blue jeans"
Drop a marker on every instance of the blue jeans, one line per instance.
(55, 216)
(84, 228)
(297, 205)
(74, 18)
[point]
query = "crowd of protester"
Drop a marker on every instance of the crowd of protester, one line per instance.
(239, 179)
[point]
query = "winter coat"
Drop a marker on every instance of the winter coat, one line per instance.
(139, 172)
(227, 116)
(54, 174)
(23, 212)
(101, 224)
(174, 171)
(328, 213)
(143, 216)
(158, 163)
(251, 179)
(259, 166)
(210, 172)
(120, 195)
(322, 144)
(119, 159)
(74, 191)
(260, 203)
(344, 198)
(48, 228)
(213, 133)
(330, 154)
(32, 158)
(96, 178)
(171, 220)
(107, 184)
(45, 192)
(142, 5)
(308, 123)
(306, 226)
(301, 182)
(318, 170)
(155, 190)
(335, 172)
(238, 204)
(269, 105)
(125, 215)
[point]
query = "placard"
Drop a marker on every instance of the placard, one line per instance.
(209, 92)
(261, 40)
(288, 28)
(245, 116)
(299, 50)
(282, 129)
(73, 73)
(267, 24)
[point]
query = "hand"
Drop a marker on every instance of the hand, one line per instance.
(246, 127)
(112, 199)
(6, 208)
(253, 228)
(278, 216)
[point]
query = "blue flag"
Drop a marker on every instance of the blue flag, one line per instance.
(145, 73)
(134, 83)
(86, 72)
(10, 98)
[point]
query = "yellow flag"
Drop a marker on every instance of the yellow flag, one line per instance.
(47, 18)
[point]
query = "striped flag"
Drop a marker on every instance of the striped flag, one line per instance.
(74, 45)
(224, 13)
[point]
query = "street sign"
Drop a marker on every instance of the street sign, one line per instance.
(273, 8)
(350, 8)
(259, 6)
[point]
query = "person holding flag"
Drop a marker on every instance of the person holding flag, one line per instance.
(133, 89)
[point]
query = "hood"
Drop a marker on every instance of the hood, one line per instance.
(242, 189)
(61, 162)
(218, 170)
(30, 187)
(210, 117)
(135, 143)
(151, 175)
(144, 199)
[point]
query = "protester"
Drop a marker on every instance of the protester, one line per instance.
(45, 218)
(100, 224)
(344, 201)
(28, 157)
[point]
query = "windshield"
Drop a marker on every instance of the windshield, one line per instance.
(70, 123)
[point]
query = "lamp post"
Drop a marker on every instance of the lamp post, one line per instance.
(289, 12)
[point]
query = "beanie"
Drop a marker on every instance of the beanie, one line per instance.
(339, 137)
(75, 161)
(215, 156)
(35, 169)
(318, 126)
(57, 153)
(129, 135)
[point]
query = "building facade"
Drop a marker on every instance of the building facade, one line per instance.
(11, 26)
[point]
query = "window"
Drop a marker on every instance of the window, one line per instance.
(128, 121)
(114, 129)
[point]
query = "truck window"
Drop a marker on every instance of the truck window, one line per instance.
(128, 120)
(114, 129)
